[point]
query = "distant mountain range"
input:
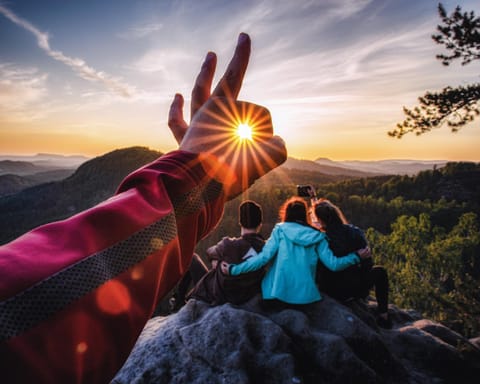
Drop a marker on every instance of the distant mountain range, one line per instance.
(357, 168)
(41, 162)
(385, 167)
(94, 181)
(20, 172)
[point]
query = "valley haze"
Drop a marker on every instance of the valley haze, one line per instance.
(362, 168)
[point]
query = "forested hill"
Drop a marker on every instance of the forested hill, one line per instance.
(93, 182)
(445, 194)
(454, 181)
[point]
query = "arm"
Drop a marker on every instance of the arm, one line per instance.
(332, 262)
(74, 295)
(215, 253)
(258, 261)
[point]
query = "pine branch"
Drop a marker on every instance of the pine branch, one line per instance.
(455, 107)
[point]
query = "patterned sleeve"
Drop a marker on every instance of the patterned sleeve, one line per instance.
(75, 294)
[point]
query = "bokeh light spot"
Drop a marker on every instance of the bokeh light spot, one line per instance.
(82, 347)
(113, 298)
(137, 273)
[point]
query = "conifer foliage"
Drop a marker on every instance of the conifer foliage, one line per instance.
(459, 33)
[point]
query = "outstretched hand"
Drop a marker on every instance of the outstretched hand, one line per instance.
(228, 86)
(214, 118)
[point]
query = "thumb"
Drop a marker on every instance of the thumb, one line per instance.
(176, 122)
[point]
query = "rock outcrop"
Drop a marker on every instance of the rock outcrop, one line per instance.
(326, 343)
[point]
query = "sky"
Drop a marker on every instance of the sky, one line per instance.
(87, 77)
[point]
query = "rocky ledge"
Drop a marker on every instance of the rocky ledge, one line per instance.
(328, 343)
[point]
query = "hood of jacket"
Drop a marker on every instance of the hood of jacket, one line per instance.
(301, 234)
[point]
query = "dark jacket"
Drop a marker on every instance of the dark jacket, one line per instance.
(341, 285)
(217, 288)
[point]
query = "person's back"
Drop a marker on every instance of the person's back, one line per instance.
(356, 281)
(291, 276)
(217, 288)
(342, 240)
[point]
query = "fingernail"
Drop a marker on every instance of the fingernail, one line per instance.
(209, 57)
(243, 37)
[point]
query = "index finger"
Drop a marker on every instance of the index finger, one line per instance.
(231, 82)
(203, 83)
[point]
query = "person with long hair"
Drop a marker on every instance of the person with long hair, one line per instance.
(292, 252)
(355, 281)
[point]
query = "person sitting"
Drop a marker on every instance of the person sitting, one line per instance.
(355, 281)
(292, 252)
(217, 288)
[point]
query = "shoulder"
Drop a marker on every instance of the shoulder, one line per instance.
(217, 249)
(227, 241)
(354, 230)
(356, 233)
(353, 227)
(279, 227)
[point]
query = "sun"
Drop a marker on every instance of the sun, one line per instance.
(244, 131)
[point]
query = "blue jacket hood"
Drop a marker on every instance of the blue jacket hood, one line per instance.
(301, 234)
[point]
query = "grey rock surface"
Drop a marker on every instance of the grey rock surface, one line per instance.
(327, 342)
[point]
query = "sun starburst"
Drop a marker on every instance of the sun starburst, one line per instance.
(244, 131)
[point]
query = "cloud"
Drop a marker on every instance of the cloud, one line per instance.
(141, 31)
(20, 90)
(76, 64)
(19, 86)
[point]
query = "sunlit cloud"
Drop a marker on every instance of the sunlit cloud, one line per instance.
(76, 64)
(20, 86)
(20, 90)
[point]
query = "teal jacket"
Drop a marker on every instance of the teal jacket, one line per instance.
(294, 250)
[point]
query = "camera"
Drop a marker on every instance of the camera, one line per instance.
(305, 191)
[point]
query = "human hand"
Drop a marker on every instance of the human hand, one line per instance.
(225, 267)
(214, 263)
(228, 86)
(364, 253)
(215, 117)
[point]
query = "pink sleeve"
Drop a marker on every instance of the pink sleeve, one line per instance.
(75, 294)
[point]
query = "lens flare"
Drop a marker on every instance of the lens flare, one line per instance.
(237, 133)
(244, 131)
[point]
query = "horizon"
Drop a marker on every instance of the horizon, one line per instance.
(86, 78)
(87, 157)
